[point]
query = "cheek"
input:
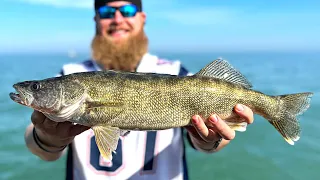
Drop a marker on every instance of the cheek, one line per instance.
(40, 99)
(135, 25)
(45, 99)
(104, 26)
(131, 22)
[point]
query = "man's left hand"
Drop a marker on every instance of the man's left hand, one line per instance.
(204, 138)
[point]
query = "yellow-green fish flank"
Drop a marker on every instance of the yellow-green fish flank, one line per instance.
(114, 103)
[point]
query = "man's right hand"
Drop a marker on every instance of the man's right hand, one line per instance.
(53, 135)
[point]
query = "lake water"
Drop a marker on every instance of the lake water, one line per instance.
(259, 153)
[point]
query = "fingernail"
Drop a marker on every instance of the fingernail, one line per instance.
(214, 118)
(239, 107)
(195, 119)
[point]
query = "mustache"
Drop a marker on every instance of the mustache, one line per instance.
(114, 26)
(124, 56)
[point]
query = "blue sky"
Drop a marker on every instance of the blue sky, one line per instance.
(172, 25)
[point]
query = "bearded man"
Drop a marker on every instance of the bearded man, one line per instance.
(120, 43)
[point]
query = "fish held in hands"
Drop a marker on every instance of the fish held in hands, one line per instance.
(114, 103)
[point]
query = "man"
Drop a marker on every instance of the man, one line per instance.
(121, 44)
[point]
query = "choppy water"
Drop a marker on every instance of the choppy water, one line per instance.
(259, 153)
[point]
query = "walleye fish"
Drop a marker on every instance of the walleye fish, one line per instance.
(114, 103)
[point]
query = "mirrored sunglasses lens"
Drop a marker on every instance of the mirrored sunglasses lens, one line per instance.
(128, 10)
(106, 12)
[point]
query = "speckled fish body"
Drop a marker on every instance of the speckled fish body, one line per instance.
(114, 103)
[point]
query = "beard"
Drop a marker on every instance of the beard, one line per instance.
(124, 56)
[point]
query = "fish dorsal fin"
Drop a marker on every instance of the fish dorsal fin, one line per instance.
(107, 140)
(221, 69)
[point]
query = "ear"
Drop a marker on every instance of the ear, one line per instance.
(97, 24)
(143, 17)
(95, 18)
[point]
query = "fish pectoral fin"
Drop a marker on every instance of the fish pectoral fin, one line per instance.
(99, 104)
(221, 69)
(237, 126)
(107, 140)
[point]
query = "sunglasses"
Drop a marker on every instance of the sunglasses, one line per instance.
(107, 12)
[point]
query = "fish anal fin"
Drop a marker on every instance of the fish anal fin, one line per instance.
(234, 121)
(237, 126)
(107, 140)
(221, 69)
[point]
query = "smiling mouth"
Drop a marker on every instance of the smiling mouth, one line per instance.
(117, 32)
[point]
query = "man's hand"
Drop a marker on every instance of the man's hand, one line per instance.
(204, 138)
(55, 134)
(51, 135)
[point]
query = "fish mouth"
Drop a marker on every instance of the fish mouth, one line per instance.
(16, 98)
(21, 97)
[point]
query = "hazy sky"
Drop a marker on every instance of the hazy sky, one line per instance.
(175, 25)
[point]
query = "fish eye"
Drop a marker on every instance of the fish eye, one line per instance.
(35, 86)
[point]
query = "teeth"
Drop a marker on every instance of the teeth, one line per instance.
(119, 31)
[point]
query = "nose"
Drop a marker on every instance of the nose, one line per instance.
(118, 18)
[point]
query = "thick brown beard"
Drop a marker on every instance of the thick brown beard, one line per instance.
(124, 56)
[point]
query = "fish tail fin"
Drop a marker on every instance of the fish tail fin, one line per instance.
(291, 106)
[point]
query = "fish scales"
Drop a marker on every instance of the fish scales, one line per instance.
(115, 103)
(160, 102)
